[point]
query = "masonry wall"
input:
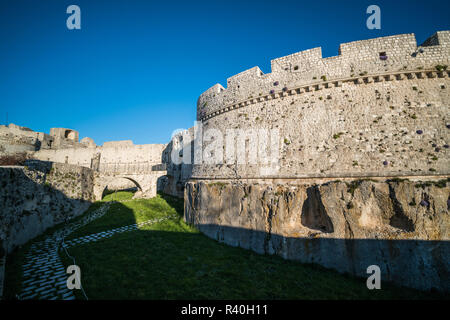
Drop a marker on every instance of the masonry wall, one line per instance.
(40, 195)
(16, 139)
(114, 155)
(177, 173)
(121, 165)
(305, 67)
(397, 127)
(356, 114)
(378, 109)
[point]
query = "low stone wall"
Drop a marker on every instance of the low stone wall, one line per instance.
(38, 196)
(400, 225)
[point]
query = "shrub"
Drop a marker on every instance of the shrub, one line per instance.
(220, 185)
(17, 159)
(352, 186)
(441, 183)
(441, 67)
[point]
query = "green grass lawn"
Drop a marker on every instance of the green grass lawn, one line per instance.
(118, 196)
(172, 260)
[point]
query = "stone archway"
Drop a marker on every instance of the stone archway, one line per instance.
(120, 184)
(145, 183)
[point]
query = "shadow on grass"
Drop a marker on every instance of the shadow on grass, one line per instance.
(171, 260)
(31, 207)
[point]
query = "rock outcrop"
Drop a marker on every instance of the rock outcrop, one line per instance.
(38, 196)
(402, 226)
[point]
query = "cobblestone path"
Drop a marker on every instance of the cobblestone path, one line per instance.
(44, 276)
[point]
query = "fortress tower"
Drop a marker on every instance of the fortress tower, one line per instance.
(363, 160)
(379, 108)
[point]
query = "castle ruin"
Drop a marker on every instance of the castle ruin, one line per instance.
(363, 160)
(362, 166)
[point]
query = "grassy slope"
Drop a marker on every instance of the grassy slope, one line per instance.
(171, 260)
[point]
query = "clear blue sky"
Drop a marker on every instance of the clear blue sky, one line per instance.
(136, 68)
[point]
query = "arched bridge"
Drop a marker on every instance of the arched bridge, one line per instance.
(144, 175)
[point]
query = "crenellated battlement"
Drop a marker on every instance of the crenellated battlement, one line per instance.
(321, 84)
(356, 61)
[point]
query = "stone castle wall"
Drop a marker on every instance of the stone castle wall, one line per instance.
(40, 195)
(379, 109)
(121, 163)
(177, 174)
(367, 116)
(16, 139)
(114, 155)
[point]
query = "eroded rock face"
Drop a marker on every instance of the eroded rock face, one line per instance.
(38, 196)
(401, 226)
